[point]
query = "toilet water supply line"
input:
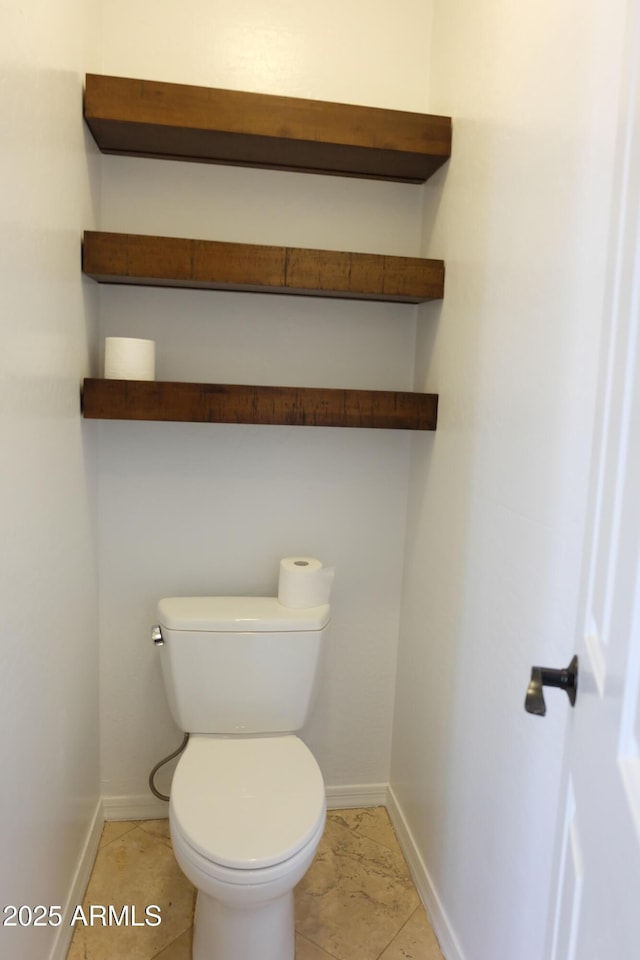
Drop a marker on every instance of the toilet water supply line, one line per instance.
(176, 753)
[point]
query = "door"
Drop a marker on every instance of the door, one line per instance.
(595, 911)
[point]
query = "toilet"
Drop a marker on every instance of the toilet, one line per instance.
(247, 804)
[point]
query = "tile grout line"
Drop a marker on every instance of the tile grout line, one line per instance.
(395, 850)
(170, 944)
(317, 946)
(397, 933)
(103, 845)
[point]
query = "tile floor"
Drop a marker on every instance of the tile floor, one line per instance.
(357, 901)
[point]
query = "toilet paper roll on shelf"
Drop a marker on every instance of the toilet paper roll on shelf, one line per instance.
(304, 582)
(128, 358)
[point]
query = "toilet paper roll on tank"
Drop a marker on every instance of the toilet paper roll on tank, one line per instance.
(304, 582)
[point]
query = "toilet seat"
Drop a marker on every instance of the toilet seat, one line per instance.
(247, 803)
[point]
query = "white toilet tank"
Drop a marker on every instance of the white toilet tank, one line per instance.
(234, 665)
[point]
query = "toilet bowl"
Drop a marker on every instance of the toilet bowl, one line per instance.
(246, 816)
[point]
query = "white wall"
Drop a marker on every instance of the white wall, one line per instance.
(212, 508)
(48, 593)
(357, 52)
(497, 500)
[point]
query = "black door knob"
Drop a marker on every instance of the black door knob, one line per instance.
(545, 677)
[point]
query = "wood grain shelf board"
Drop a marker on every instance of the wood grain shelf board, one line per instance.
(215, 265)
(234, 403)
(180, 122)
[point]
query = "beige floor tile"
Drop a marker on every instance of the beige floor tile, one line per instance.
(370, 822)
(356, 896)
(180, 949)
(136, 870)
(116, 828)
(416, 941)
(357, 901)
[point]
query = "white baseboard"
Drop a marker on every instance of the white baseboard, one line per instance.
(141, 807)
(426, 890)
(78, 884)
(147, 807)
(357, 795)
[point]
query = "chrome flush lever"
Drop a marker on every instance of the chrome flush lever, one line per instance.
(545, 677)
(156, 636)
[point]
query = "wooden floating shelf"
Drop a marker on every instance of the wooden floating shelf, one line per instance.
(233, 403)
(214, 265)
(179, 122)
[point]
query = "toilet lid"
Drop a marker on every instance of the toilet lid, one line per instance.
(247, 802)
